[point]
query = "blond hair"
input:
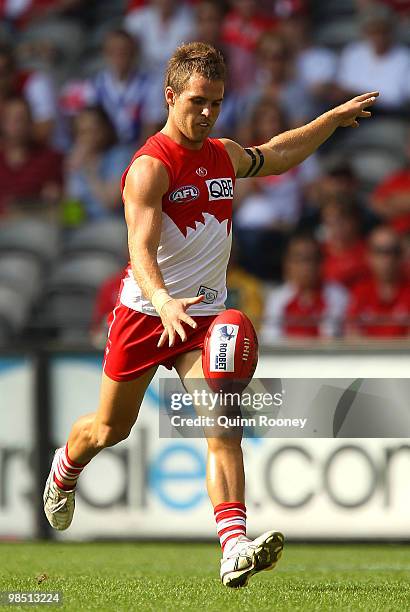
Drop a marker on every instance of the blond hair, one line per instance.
(190, 58)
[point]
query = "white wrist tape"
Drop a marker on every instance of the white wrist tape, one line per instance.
(159, 298)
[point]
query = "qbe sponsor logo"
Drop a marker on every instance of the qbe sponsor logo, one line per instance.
(184, 194)
(220, 189)
(223, 343)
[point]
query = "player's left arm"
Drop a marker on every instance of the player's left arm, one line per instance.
(289, 149)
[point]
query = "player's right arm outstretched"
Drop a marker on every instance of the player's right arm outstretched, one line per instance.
(146, 183)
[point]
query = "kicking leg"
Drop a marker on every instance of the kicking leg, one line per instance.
(225, 476)
(117, 412)
(226, 488)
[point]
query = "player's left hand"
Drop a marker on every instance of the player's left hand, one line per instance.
(348, 113)
(173, 315)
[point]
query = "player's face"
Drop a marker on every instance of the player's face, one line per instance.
(197, 108)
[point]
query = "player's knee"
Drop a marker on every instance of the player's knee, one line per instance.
(222, 444)
(109, 435)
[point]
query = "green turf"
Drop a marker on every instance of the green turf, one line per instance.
(168, 577)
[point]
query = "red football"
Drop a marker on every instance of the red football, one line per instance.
(230, 352)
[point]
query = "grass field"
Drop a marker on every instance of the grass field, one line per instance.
(168, 577)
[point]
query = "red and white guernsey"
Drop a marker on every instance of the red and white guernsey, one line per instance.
(196, 234)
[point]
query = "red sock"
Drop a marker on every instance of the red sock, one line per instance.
(66, 472)
(230, 523)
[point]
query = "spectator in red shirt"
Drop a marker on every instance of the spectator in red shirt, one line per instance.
(30, 174)
(242, 29)
(344, 250)
(304, 306)
(391, 199)
(380, 306)
(134, 5)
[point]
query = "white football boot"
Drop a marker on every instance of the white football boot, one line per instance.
(58, 504)
(251, 556)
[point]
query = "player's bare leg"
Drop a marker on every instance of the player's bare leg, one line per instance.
(117, 412)
(111, 423)
(226, 488)
(225, 477)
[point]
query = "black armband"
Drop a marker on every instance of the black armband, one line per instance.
(261, 161)
(253, 162)
(252, 170)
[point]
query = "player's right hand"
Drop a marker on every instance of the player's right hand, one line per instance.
(351, 111)
(173, 314)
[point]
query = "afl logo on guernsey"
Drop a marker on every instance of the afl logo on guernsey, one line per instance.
(220, 189)
(184, 194)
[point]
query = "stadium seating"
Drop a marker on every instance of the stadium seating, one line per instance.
(14, 312)
(336, 34)
(372, 165)
(83, 270)
(105, 11)
(69, 294)
(107, 236)
(22, 272)
(404, 32)
(331, 9)
(33, 236)
(67, 315)
(381, 133)
(336, 22)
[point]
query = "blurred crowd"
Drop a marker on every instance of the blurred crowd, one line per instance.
(322, 251)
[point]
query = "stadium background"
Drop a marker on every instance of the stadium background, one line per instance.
(62, 244)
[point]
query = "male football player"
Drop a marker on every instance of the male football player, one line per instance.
(178, 193)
